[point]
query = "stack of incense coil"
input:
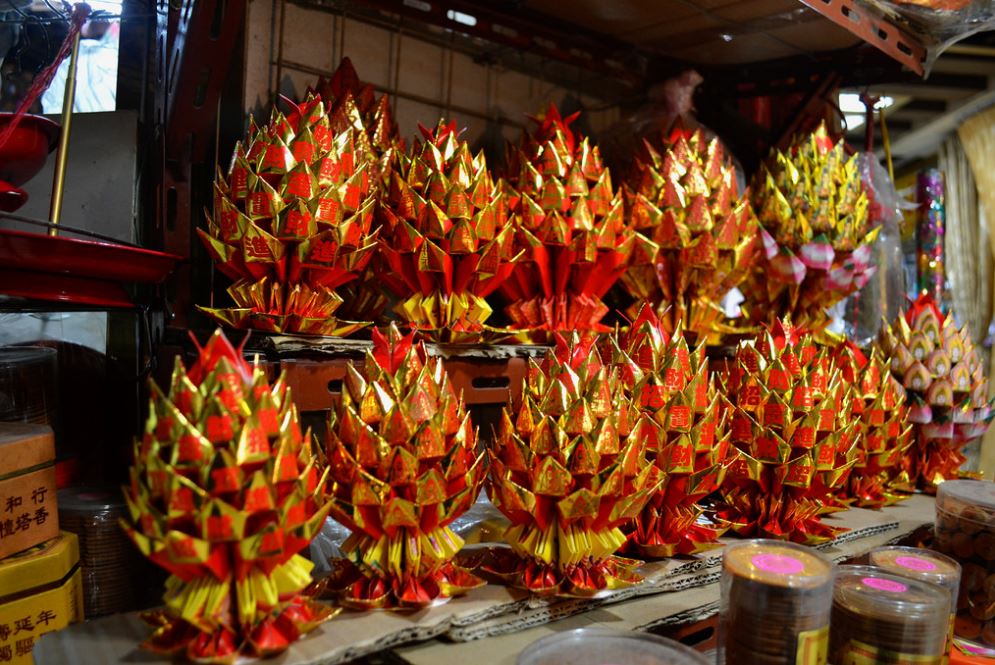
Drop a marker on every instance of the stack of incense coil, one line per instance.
(107, 558)
(879, 617)
(776, 600)
(925, 566)
(965, 530)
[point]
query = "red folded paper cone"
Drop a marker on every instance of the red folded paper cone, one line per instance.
(794, 436)
(571, 229)
(403, 465)
(687, 437)
(568, 469)
(943, 374)
(225, 490)
(683, 199)
(446, 243)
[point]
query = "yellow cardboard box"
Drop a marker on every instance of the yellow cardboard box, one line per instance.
(40, 591)
(28, 514)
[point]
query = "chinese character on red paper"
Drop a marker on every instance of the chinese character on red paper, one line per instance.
(680, 417)
(257, 248)
(6, 528)
(328, 210)
(13, 502)
(680, 456)
(38, 495)
(778, 379)
(750, 396)
(296, 224)
(329, 170)
(799, 473)
(672, 379)
(257, 499)
(323, 251)
(259, 204)
(804, 437)
(299, 185)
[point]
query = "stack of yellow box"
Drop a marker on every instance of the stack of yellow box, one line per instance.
(40, 588)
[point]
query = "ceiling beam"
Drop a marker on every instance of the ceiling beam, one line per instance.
(926, 139)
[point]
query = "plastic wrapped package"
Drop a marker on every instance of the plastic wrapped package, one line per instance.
(883, 297)
(936, 24)
(668, 102)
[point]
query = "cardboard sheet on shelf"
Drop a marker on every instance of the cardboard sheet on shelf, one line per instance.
(493, 610)
(290, 345)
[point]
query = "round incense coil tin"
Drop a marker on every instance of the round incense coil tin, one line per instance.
(965, 530)
(592, 646)
(773, 563)
(107, 557)
(885, 617)
(776, 600)
(920, 564)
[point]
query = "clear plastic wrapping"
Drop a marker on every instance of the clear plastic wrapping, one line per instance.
(883, 297)
(936, 24)
(776, 599)
(879, 617)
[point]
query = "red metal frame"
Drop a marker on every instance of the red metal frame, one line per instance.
(874, 30)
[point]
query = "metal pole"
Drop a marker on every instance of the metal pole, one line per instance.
(59, 183)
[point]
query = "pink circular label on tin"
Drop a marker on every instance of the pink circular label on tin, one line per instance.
(778, 563)
(885, 585)
(915, 563)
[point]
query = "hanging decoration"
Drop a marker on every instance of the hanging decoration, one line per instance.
(930, 233)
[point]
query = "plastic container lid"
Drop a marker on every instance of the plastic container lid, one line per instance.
(919, 564)
(876, 593)
(968, 499)
(778, 563)
(595, 646)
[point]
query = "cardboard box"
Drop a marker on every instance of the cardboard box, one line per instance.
(41, 590)
(28, 513)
